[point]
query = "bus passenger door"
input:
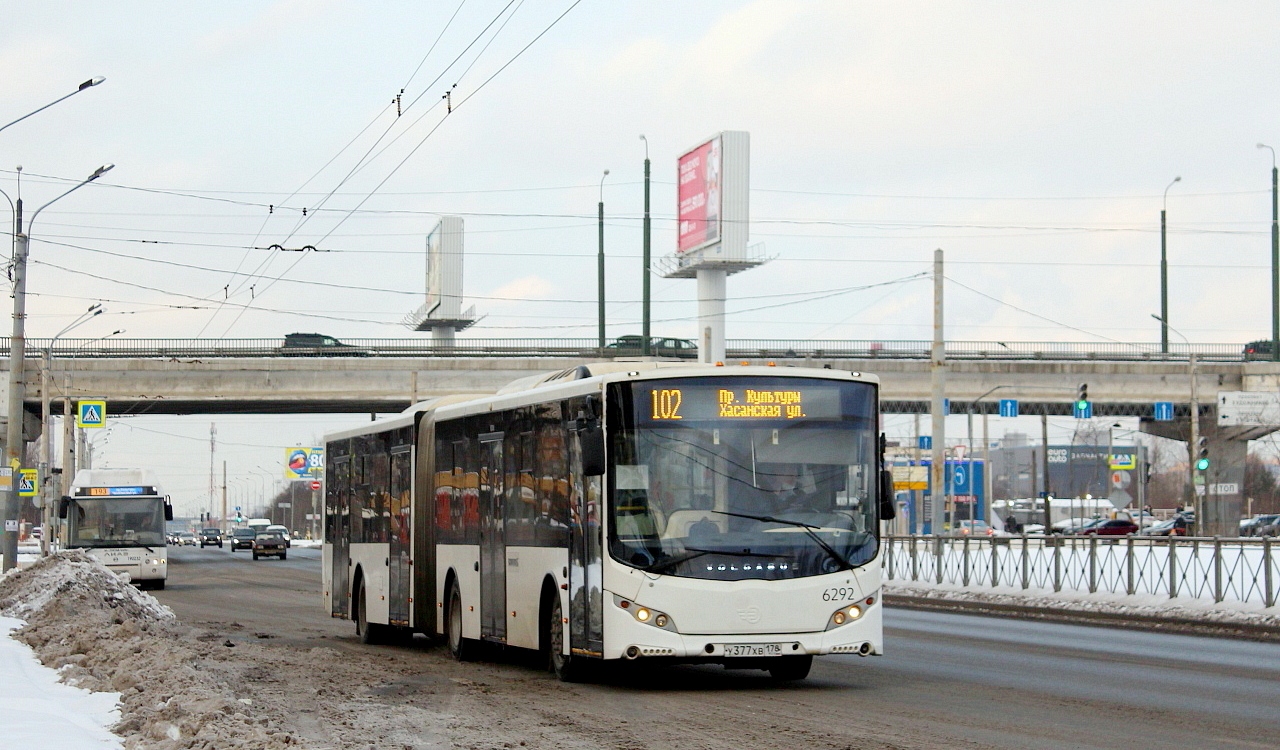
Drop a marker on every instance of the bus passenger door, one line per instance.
(493, 548)
(586, 636)
(337, 510)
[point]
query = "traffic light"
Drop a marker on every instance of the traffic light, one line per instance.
(1082, 397)
(1202, 454)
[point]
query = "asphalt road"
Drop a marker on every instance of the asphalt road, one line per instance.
(950, 680)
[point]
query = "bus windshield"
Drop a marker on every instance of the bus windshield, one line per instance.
(743, 477)
(117, 522)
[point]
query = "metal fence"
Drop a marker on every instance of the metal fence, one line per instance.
(779, 349)
(1212, 569)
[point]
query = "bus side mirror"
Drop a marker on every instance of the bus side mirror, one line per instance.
(888, 509)
(591, 437)
(63, 505)
(168, 512)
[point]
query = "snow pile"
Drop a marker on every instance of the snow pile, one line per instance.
(1141, 605)
(104, 635)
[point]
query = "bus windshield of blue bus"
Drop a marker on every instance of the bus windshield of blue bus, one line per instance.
(743, 477)
(117, 522)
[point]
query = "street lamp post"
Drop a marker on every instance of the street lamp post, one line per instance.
(1195, 431)
(1164, 272)
(46, 428)
(86, 85)
(600, 264)
(645, 333)
(1275, 256)
(17, 386)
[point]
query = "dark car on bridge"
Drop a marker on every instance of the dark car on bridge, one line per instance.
(210, 536)
(318, 345)
(630, 346)
(242, 539)
(1258, 349)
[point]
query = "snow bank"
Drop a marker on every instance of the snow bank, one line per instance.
(104, 635)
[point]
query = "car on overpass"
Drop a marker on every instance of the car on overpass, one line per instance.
(1260, 349)
(630, 346)
(318, 345)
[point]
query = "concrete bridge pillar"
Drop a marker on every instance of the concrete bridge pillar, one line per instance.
(1222, 491)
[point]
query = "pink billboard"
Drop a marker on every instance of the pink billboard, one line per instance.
(698, 197)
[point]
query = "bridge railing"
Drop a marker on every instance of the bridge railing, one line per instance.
(585, 348)
(1190, 568)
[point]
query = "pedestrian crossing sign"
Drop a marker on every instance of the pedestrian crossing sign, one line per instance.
(91, 414)
(29, 485)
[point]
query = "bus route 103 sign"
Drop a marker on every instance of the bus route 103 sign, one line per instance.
(303, 463)
(800, 402)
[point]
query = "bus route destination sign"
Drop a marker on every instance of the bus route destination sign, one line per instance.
(115, 491)
(739, 403)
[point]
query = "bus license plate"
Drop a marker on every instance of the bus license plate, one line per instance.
(752, 649)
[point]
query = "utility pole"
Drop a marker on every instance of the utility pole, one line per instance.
(1164, 273)
(1044, 444)
(646, 345)
(600, 266)
(213, 446)
(938, 375)
(1191, 450)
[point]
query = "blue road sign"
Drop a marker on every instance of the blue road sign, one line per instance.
(925, 442)
(946, 406)
(959, 479)
(237, 508)
(1008, 407)
(1164, 411)
(1083, 410)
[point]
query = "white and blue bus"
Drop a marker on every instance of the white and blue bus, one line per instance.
(643, 510)
(118, 516)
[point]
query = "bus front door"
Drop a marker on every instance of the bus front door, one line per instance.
(586, 632)
(493, 547)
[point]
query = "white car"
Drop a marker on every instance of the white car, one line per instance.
(282, 531)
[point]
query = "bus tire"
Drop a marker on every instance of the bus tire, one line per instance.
(791, 668)
(157, 585)
(565, 666)
(370, 632)
(462, 649)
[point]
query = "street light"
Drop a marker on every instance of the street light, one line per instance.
(600, 263)
(1164, 272)
(645, 344)
(17, 385)
(1275, 256)
(1195, 428)
(86, 85)
(46, 454)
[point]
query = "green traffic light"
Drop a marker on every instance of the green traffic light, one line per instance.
(1202, 464)
(1082, 405)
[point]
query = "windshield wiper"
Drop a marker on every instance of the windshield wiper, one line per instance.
(808, 528)
(689, 554)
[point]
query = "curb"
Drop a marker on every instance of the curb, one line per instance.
(1178, 625)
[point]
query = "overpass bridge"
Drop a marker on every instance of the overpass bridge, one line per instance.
(147, 376)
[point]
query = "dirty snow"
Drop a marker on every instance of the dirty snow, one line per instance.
(103, 635)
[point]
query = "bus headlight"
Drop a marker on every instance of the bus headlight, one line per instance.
(644, 614)
(156, 561)
(844, 615)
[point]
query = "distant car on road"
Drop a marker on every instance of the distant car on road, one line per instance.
(1251, 526)
(242, 539)
(318, 345)
(1110, 527)
(972, 528)
(1176, 526)
(659, 347)
(210, 536)
(186, 539)
(268, 543)
(1258, 349)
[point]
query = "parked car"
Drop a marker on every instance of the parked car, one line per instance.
(171, 538)
(972, 528)
(318, 345)
(1073, 525)
(268, 543)
(1110, 527)
(1251, 526)
(210, 536)
(282, 531)
(658, 347)
(1271, 529)
(1176, 526)
(242, 539)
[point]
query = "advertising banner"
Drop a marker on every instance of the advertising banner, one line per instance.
(699, 197)
(303, 463)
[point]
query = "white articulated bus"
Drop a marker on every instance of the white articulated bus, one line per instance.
(663, 511)
(118, 516)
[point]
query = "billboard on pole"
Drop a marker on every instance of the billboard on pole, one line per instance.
(303, 463)
(699, 197)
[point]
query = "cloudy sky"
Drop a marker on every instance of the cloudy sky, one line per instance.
(1032, 142)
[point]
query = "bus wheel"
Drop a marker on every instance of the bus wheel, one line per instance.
(158, 585)
(791, 668)
(461, 648)
(370, 633)
(564, 666)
